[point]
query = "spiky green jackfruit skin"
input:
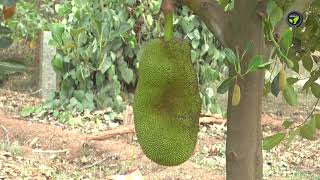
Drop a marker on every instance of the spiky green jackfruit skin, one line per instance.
(167, 103)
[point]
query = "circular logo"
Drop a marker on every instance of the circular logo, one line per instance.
(294, 19)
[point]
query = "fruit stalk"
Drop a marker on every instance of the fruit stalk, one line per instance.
(167, 9)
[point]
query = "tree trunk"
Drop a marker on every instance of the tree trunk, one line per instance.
(244, 136)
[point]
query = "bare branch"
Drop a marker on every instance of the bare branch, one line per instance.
(111, 133)
(212, 15)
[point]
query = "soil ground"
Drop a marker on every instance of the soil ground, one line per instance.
(118, 149)
(34, 150)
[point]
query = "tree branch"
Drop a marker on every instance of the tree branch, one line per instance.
(214, 16)
(298, 5)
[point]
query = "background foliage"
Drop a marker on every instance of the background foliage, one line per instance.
(97, 45)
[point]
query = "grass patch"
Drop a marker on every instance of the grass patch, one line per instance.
(14, 148)
(298, 175)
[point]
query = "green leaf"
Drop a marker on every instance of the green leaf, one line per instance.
(314, 76)
(224, 3)
(186, 25)
(64, 117)
(75, 121)
(316, 117)
(149, 20)
(196, 34)
(5, 30)
(209, 74)
(204, 49)
(231, 57)
(292, 80)
(272, 141)
(223, 88)
(287, 123)
(296, 66)
(76, 32)
(274, 11)
(5, 42)
(194, 56)
(315, 89)
(79, 95)
(308, 130)
(286, 39)
(105, 64)
(307, 62)
(255, 63)
(124, 27)
(55, 114)
(290, 95)
(126, 74)
(57, 63)
(27, 111)
(275, 90)
(57, 31)
(195, 43)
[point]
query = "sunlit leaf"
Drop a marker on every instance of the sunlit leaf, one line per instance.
(27, 111)
(308, 130)
(272, 141)
(57, 31)
(290, 95)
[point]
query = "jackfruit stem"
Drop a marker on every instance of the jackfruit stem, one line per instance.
(167, 9)
(168, 27)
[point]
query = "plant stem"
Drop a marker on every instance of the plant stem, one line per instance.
(167, 9)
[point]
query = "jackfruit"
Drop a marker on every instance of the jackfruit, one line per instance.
(167, 103)
(236, 96)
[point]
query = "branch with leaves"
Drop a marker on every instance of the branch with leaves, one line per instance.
(212, 14)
